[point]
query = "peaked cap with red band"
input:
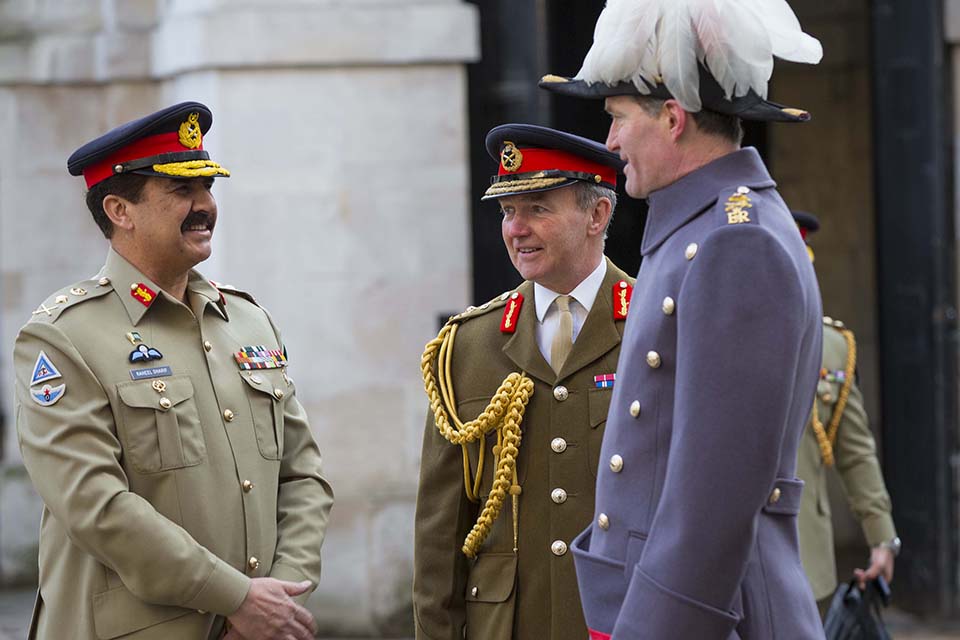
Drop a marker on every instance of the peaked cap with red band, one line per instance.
(168, 143)
(534, 158)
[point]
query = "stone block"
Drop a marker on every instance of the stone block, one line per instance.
(391, 555)
(122, 55)
(20, 509)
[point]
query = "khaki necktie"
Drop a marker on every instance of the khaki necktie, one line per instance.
(563, 338)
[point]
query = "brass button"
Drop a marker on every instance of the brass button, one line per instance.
(669, 306)
(255, 379)
(622, 284)
(560, 393)
(104, 282)
(207, 346)
(247, 486)
(133, 286)
(278, 393)
(559, 445)
(559, 547)
(603, 521)
(228, 415)
(691, 251)
(653, 359)
(165, 403)
(118, 168)
(253, 563)
(775, 496)
(616, 463)
(827, 398)
(558, 495)
(474, 591)
(78, 291)
(635, 408)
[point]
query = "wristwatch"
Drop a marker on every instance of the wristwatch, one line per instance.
(894, 544)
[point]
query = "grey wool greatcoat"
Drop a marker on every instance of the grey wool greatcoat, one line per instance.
(694, 534)
(530, 594)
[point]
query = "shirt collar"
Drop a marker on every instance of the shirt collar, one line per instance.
(585, 293)
(124, 278)
(676, 204)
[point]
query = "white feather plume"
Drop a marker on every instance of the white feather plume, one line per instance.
(652, 41)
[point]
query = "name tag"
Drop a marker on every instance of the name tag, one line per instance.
(152, 372)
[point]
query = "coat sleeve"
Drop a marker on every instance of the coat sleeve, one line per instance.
(443, 518)
(304, 499)
(855, 454)
(742, 316)
(72, 454)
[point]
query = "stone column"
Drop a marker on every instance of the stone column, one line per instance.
(344, 125)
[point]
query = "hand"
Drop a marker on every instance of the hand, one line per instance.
(269, 612)
(881, 563)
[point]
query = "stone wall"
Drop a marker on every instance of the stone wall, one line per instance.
(344, 125)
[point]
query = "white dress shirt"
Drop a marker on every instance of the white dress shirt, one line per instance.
(548, 318)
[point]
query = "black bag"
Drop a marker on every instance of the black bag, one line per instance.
(855, 614)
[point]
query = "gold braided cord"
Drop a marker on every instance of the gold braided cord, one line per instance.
(191, 169)
(827, 438)
(529, 184)
(503, 414)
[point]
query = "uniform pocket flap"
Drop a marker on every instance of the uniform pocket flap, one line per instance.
(270, 382)
(785, 497)
(599, 400)
(492, 577)
(118, 612)
(147, 394)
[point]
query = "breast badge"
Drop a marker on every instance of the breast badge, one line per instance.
(143, 353)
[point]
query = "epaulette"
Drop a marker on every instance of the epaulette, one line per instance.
(474, 312)
(737, 207)
(229, 288)
(830, 322)
(71, 296)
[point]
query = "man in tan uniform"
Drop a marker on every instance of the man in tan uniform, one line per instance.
(529, 374)
(182, 488)
(838, 435)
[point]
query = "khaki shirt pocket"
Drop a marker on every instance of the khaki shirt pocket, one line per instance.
(160, 424)
(599, 400)
(266, 392)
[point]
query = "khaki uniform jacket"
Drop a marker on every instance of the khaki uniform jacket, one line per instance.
(161, 504)
(530, 595)
(855, 458)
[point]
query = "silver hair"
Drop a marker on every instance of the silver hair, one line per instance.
(589, 194)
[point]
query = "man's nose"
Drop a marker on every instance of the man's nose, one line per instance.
(517, 227)
(612, 144)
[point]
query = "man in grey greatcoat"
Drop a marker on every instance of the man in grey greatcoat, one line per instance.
(695, 528)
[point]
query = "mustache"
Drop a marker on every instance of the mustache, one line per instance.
(198, 218)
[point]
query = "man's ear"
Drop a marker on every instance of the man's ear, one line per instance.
(118, 210)
(676, 118)
(600, 216)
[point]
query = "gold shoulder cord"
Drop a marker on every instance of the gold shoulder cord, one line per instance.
(827, 438)
(504, 414)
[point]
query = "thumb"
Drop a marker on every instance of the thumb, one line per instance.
(296, 588)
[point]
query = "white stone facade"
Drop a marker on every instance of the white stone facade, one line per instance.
(347, 216)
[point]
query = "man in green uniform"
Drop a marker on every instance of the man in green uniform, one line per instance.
(529, 376)
(182, 489)
(838, 435)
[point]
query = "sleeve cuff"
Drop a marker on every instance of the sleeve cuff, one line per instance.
(668, 614)
(292, 574)
(878, 529)
(223, 592)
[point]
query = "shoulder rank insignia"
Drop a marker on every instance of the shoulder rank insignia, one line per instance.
(47, 395)
(259, 357)
(511, 312)
(622, 292)
(737, 205)
(43, 370)
(142, 293)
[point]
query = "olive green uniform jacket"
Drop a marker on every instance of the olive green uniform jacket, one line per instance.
(856, 462)
(532, 594)
(162, 495)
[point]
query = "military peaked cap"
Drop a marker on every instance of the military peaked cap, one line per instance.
(533, 158)
(168, 143)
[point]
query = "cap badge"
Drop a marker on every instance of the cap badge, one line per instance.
(190, 135)
(510, 157)
(736, 208)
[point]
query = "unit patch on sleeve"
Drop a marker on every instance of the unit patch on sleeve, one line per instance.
(43, 370)
(259, 357)
(47, 395)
